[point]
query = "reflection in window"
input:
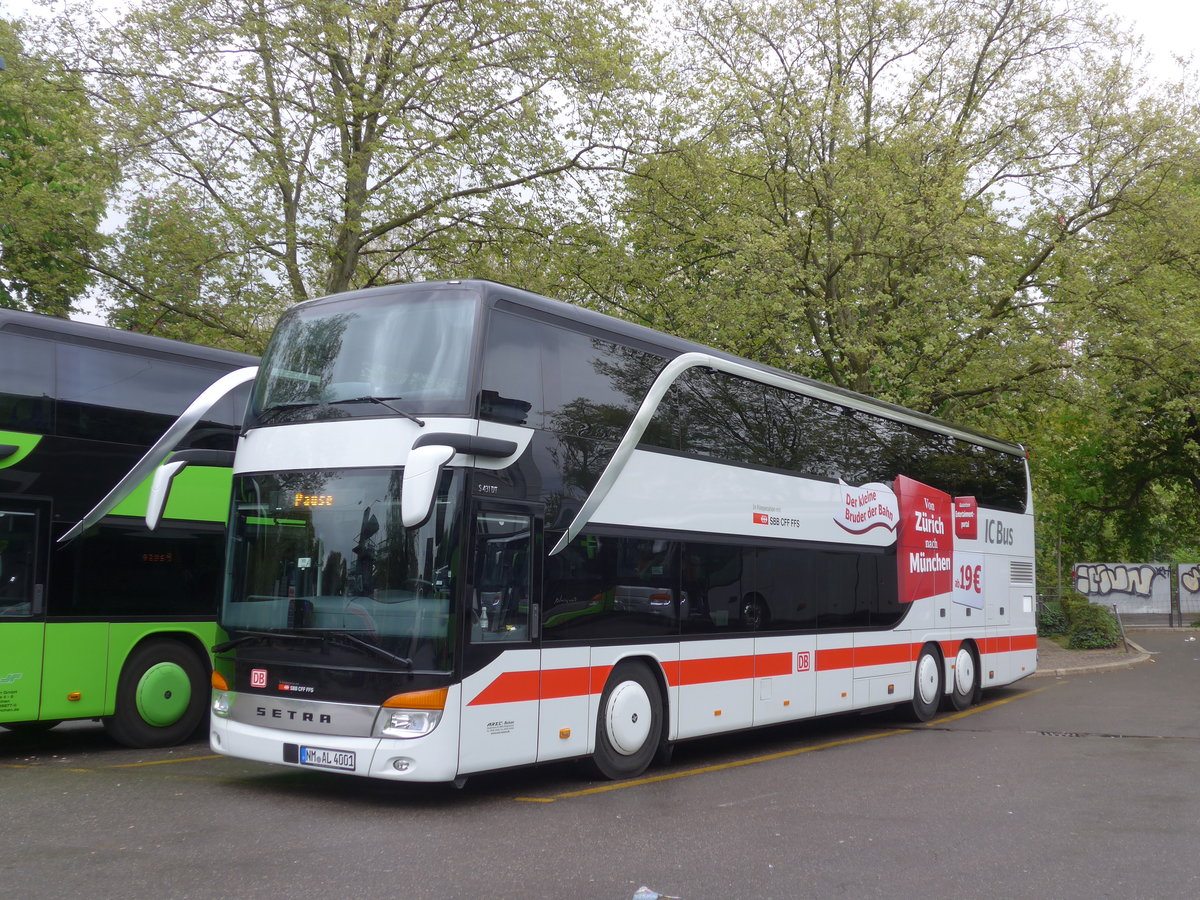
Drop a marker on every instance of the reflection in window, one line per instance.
(720, 416)
(414, 346)
(501, 578)
(26, 384)
(18, 554)
(316, 551)
(607, 587)
(119, 569)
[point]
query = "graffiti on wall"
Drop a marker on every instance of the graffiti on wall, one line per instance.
(1189, 587)
(1130, 587)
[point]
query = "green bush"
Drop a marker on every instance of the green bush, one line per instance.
(1052, 619)
(1091, 627)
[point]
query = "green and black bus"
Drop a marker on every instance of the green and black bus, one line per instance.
(115, 624)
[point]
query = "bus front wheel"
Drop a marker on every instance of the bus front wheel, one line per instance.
(161, 696)
(629, 724)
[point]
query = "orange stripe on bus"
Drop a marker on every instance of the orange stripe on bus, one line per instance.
(566, 682)
(773, 664)
(709, 671)
(509, 687)
(884, 655)
(551, 684)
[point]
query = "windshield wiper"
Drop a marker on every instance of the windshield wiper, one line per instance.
(382, 401)
(351, 640)
(313, 634)
(270, 412)
(259, 637)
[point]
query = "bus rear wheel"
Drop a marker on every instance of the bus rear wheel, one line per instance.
(161, 696)
(927, 687)
(629, 724)
(965, 689)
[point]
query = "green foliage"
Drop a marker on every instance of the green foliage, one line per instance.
(981, 211)
(310, 147)
(847, 193)
(1090, 627)
(53, 178)
(1051, 618)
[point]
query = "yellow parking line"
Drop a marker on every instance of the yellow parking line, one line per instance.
(163, 762)
(704, 770)
(136, 765)
(784, 754)
(983, 707)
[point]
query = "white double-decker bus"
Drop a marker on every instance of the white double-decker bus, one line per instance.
(474, 528)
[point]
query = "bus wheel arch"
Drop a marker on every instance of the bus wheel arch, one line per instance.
(928, 684)
(162, 694)
(965, 684)
(630, 721)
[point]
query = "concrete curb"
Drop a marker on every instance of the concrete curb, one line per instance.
(1140, 655)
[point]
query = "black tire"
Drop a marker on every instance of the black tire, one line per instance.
(965, 689)
(625, 742)
(162, 696)
(927, 686)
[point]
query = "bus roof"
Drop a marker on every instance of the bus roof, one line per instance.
(500, 295)
(85, 334)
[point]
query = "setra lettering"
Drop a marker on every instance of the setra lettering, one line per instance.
(293, 715)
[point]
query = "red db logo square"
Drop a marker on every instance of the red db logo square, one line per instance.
(258, 678)
(803, 661)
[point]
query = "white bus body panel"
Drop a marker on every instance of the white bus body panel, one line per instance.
(432, 758)
(363, 443)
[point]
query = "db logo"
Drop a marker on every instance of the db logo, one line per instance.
(258, 678)
(803, 661)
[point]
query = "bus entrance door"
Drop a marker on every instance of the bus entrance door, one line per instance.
(23, 541)
(501, 661)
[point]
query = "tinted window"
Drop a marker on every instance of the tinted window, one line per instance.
(565, 381)
(124, 570)
(720, 416)
(512, 371)
(18, 555)
(110, 396)
(607, 587)
(26, 384)
(745, 589)
(326, 359)
(500, 577)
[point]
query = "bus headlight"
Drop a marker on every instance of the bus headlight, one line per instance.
(220, 695)
(411, 715)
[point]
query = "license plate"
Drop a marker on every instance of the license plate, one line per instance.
(327, 759)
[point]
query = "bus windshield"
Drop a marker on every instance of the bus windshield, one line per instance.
(413, 347)
(321, 554)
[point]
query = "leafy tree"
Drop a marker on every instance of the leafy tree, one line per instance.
(336, 144)
(1120, 459)
(875, 193)
(53, 178)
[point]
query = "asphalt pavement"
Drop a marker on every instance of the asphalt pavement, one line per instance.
(1057, 661)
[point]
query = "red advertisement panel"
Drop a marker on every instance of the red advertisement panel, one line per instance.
(925, 545)
(966, 518)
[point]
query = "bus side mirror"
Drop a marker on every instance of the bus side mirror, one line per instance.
(160, 489)
(160, 486)
(421, 475)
